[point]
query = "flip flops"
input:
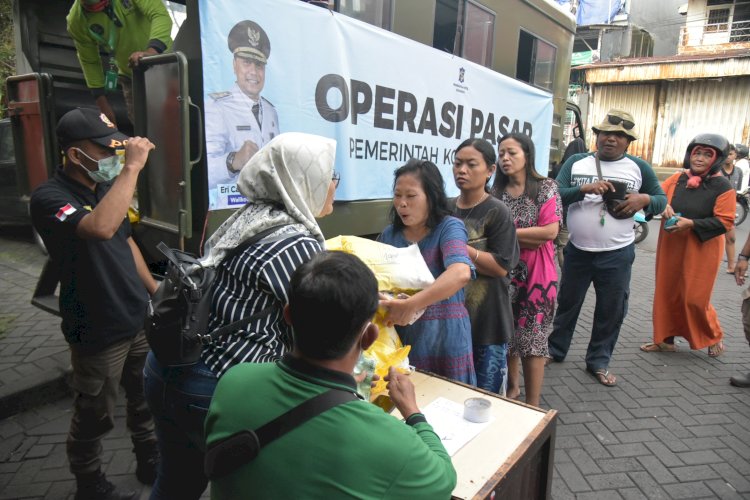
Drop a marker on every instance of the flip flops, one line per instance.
(660, 347)
(604, 377)
(716, 350)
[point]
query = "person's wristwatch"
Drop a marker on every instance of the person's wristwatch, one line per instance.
(230, 160)
(743, 257)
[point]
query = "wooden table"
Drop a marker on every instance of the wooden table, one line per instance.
(512, 457)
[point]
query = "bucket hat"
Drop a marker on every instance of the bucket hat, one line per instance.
(617, 120)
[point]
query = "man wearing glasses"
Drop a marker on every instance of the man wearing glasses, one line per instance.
(602, 191)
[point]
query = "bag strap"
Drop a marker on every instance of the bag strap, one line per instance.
(302, 413)
(239, 324)
(598, 166)
(227, 455)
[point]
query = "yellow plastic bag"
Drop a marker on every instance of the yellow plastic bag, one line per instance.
(387, 351)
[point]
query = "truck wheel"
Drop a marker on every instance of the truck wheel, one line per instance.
(641, 231)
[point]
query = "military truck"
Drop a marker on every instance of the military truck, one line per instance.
(530, 40)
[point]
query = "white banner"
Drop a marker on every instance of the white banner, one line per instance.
(383, 97)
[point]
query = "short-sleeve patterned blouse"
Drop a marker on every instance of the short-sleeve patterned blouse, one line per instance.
(534, 283)
(441, 339)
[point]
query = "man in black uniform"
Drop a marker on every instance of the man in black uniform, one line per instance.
(105, 287)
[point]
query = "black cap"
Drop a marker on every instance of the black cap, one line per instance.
(248, 40)
(91, 124)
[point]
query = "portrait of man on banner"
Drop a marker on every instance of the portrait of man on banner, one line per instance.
(239, 121)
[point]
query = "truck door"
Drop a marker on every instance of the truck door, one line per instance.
(162, 109)
(31, 110)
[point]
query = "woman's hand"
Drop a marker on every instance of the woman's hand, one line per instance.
(668, 212)
(682, 224)
(399, 311)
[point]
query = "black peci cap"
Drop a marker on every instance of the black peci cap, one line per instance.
(248, 40)
(91, 124)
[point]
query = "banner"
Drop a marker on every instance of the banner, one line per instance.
(274, 66)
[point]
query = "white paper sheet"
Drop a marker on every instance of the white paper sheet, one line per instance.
(447, 419)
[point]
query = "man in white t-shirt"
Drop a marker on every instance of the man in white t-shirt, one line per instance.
(601, 248)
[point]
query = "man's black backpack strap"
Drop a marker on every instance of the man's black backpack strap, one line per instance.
(177, 320)
(228, 454)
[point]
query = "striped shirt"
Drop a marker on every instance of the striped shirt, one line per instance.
(245, 285)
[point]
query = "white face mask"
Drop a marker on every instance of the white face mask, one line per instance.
(109, 168)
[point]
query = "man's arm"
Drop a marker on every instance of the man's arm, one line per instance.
(102, 223)
(650, 186)
(160, 38)
(140, 265)
(429, 472)
(87, 51)
(571, 194)
(161, 28)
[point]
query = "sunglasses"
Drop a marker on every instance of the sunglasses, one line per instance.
(336, 178)
(616, 120)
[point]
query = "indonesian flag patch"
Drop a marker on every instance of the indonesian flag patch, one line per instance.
(63, 213)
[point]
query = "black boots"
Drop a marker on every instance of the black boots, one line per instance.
(147, 455)
(94, 486)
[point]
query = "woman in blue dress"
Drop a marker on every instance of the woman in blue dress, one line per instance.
(441, 338)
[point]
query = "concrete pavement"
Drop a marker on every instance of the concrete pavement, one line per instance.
(672, 428)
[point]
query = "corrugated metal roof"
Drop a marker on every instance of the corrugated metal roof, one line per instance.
(679, 67)
(637, 61)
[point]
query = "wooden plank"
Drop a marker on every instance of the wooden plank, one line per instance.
(515, 430)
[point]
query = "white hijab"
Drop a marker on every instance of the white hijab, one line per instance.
(287, 183)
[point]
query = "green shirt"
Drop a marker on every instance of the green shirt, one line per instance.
(352, 450)
(145, 23)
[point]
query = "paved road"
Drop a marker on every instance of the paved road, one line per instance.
(672, 428)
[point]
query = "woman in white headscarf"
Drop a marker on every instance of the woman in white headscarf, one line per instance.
(289, 183)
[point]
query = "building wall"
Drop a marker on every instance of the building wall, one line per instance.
(693, 107)
(668, 114)
(660, 18)
(638, 100)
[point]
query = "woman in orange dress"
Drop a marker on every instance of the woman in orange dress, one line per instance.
(690, 250)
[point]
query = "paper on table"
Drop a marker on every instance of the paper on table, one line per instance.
(447, 419)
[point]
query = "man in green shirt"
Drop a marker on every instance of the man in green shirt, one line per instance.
(351, 450)
(126, 30)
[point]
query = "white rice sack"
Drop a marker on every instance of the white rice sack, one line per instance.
(396, 269)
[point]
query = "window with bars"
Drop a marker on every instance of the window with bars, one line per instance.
(718, 20)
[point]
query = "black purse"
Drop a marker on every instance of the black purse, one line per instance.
(612, 199)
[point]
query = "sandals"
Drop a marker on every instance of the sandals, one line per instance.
(660, 347)
(716, 350)
(604, 377)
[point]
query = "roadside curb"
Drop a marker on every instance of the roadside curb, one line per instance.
(35, 391)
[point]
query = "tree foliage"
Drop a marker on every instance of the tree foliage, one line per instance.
(7, 49)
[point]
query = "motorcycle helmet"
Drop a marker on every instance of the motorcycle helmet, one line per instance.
(714, 141)
(741, 151)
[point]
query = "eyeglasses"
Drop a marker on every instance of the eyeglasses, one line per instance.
(336, 178)
(616, 120)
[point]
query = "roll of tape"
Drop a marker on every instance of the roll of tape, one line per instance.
(477, 410)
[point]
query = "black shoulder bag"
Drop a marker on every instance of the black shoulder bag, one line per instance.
(177, 320)
(228, 454)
